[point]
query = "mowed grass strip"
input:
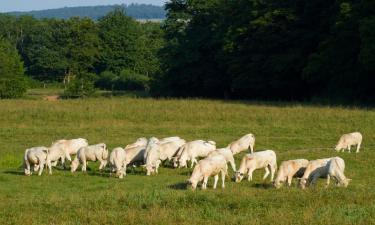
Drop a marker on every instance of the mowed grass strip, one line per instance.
(293, 131)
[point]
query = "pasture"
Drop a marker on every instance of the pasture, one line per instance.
(293, 131)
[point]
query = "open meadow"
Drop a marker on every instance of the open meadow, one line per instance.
(292, 130)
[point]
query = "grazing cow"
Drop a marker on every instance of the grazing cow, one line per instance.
(62, 149)
(194, 149)
(313, 172)
(35, 157)
(257, 160)
(288, 170)
(228, 155)
(348, 140)
(336, 167)
(153, 140)
(90, 153)
(161, 151)
(210, 166)
(117, 162)
(242, 144)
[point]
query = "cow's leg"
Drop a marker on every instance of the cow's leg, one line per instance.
(27, 170)
(124, 166)
(251, 149)
(267, 173)
(49, 165)
(204, 185)
(289, 179)
(84, 165)
(349, 148)
(216, 178)
(328, 180)
(41, 167)
(223, 179)
(358, 147)
(250, 175)
(273, 170)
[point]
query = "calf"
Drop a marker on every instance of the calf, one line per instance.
(90, 153)
(289, 169)
(211, 166)
(35, 157)
(258, 160)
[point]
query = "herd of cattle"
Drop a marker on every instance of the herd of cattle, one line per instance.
(150, 153)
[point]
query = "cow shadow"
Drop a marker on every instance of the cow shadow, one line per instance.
(13, 172)
(178, 186)
(262, 185)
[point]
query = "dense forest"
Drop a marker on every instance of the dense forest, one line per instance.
(136, 11)
(246, 49)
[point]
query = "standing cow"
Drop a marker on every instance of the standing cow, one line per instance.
(258, 160)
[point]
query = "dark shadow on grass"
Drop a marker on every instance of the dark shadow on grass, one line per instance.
(263, 185)
(178, 186)
(13, 172)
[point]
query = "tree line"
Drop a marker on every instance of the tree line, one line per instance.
(270, 49)
(243, 49)
(114, 53)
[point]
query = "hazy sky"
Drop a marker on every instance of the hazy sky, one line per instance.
(27, 5)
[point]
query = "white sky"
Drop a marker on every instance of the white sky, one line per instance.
(28, 5)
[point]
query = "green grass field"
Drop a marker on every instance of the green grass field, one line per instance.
(293, 131)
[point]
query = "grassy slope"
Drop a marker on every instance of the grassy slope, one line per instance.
(94, 198)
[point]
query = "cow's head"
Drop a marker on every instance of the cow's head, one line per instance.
(345, 182)
(302, 182)
(74, 165)
(151, 169)
(277, 184)
(239, 176)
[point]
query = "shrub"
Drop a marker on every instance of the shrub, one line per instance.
(12, 79)
(130, 80)
(79, 88)
(106, 80)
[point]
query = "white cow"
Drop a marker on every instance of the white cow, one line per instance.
(289, 169)
(228, 155)
(117, 162)
(313, 171)
(161, 151)
(210, 166)
(153, 140)
(194, 149)
(336, 167)
(257, 160)
(62, 149)
(90, 153)
(35, 157)
(348, 140)
(242, 144)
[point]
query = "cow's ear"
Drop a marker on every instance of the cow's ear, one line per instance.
(349, 179)
(249, 157)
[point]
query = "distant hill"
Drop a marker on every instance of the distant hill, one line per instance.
(137, 11)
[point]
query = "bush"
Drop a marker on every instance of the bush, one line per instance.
(12, 79)
(130, 80)
(12, 87)
(106, 80)
(79, 88)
